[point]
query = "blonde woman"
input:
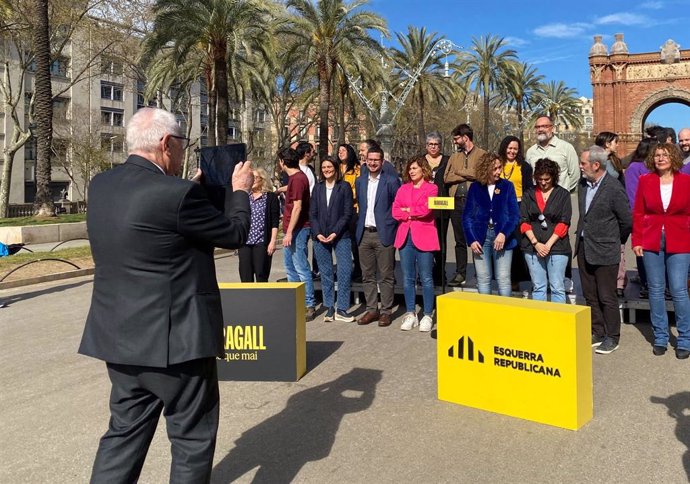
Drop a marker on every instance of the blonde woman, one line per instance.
(257, 254)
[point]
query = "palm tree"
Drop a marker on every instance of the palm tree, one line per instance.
(561, 103)
(417, 49)
(220, 28)
(520, 87)
(325, 31)
(485, 66)
(43, 110)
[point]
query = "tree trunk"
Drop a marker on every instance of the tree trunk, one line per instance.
(341, 114)
(43, 109)
(485, 134)
(421, 128)
(8, 161)
(521, 127)
(220, 70)
(324, 104)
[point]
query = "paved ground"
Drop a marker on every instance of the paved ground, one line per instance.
(366, 411)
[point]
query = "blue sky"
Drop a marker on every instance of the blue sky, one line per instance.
(555, 38)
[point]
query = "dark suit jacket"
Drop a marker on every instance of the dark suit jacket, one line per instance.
(502, 209)
(607, 223)
(335, 217)
(558, 209)
(385, 195)
(155, 298)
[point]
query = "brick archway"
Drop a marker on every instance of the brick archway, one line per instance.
(627, 87)
(653, 101)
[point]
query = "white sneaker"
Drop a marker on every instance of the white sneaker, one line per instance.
(425, 324)
(409, 321)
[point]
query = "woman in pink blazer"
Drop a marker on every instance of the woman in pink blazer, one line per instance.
(661, 236)
(417, 239)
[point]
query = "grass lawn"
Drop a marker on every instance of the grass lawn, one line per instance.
(60, 219)
(75, 253)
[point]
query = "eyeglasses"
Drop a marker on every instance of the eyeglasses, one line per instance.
(433, 144)
(542, 219)
(183, 138)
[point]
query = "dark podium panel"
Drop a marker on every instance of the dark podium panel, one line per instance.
(264, 333)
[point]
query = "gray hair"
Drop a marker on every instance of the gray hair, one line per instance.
(598, 154)
(434, 135)
(148, 125)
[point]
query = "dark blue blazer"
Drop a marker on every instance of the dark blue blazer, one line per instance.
(326, 219)
(385, 194)
(502, 209)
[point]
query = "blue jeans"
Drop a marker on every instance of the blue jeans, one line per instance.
(297, 267)
(411, 261)
(501, 261)
(547, 270)
(343, 258)
(657, 265)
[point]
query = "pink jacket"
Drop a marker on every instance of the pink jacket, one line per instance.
(421, 225)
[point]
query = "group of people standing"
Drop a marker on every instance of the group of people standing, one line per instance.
(513, 212)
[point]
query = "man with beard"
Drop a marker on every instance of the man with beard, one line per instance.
(552, 147)
(458, 175)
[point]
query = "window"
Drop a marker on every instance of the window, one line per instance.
(232, 132)
(112, 117)
(260, 116)
(60, 108)
(111, 91)
(30, 149)
(111, 66)
(59, 67)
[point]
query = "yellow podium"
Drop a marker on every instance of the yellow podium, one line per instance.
(518, 357)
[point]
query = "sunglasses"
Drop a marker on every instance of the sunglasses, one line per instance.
(542, 219)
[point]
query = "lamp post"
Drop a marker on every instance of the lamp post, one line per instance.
(384, 117)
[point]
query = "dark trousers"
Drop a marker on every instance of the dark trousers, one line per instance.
(599, 289)
(254, 261)
(376, 258)
(460, 243)
(441, 222)
(187, 394)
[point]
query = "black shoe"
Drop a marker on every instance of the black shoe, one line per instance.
(315, 276)
(659, 350)
(682, 354)
(597, 340)
(644, 293)
(457, 280)
(329, 316)
(608, 346)
(282, 279)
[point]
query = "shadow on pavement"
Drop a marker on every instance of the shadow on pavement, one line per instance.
(319, 351)
(679, 408)
(303, 431)
(29, 295)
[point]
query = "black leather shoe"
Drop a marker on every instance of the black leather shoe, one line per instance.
(659, 350)
(682, 354)
(457, 280)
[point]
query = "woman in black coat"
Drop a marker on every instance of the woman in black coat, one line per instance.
(330, 211)
(257, 254)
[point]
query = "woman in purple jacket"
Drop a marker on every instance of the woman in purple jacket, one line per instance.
(635, 170)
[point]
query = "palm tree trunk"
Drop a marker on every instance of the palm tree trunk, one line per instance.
(421, 129)
(521, 128)
(341, 114)
(220, 69)
(324, 104)
(43, 109)
(485, 134)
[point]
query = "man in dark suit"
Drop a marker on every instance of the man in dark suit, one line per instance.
(605, 223)
(376, 229)
(155, 316)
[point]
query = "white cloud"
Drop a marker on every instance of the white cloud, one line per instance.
(623, 18)
(546, 60)
(653, 5)
(561, 31)
(516, 41)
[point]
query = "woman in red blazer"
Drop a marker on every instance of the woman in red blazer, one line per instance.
(661, 235)
(417, 239)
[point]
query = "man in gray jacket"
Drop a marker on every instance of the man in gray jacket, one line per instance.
(605, 223)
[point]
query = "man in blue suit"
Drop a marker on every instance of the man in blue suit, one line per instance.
(376, 229)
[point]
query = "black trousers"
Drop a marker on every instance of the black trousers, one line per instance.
(460, 243)
(254, 262)
(187, 394)
(599, 289)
